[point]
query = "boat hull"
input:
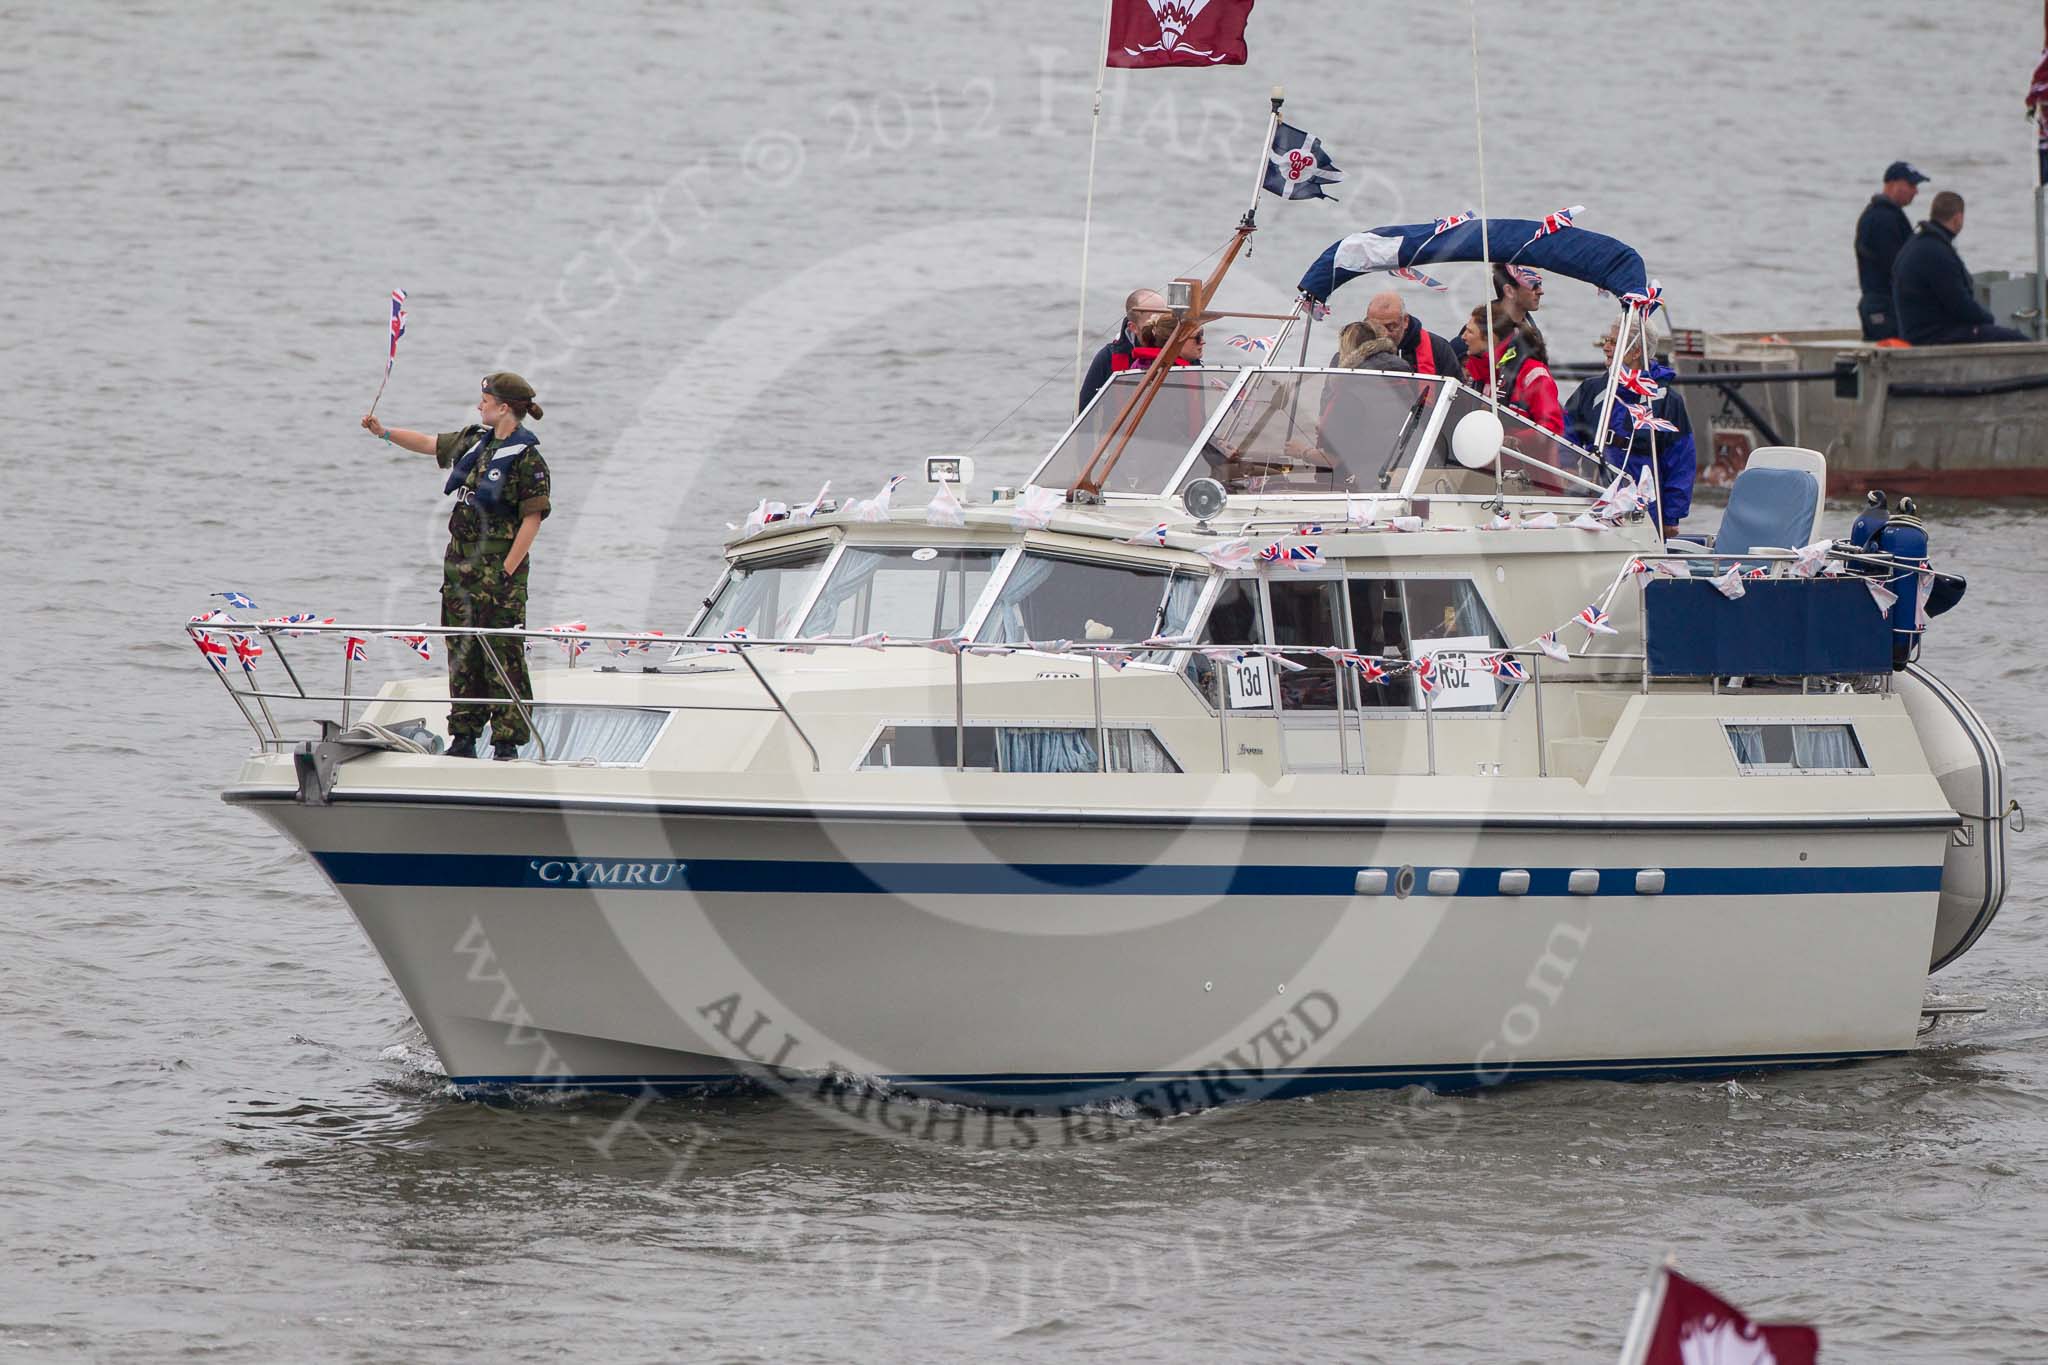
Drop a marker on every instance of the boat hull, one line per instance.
(1058, 960)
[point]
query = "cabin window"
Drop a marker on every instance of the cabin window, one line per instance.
(910, 592)
(1017, 749)
(1792, 747)
(612, 736)
(1047, 598)
(761, 594)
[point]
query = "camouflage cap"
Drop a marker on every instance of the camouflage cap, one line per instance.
(508, 387)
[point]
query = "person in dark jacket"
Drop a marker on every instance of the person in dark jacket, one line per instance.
(1932, 296)
(1880, 232)
(1140, 306)
(1628, 448)
(1425, 350)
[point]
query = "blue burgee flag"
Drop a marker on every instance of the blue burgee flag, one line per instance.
(1297, 167)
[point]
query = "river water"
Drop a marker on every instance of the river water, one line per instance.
(740, 250)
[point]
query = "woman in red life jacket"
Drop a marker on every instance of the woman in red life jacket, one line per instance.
(1152, 340)
(1521, 367)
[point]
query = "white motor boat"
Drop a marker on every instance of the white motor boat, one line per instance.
(1293, 729)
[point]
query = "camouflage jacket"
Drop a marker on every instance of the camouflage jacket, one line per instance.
(497, 482)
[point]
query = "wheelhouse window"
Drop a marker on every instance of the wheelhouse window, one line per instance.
(1237, 618)
(1448, 621)
(911, 592)
(1791, 747)
(1048, 598)
(762, 594)
(1186, 399)
(1349, 431)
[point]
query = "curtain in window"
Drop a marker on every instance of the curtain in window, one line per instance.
(1046, 751)
(1005, 625)
(855, 570)
(593, 734)
(1749, 743)
(1138, 751)
(1824, 746)
(1181, 596)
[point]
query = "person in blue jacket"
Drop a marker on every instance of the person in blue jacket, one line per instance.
(1880, 232)
(1628, 448)
(1932, 296)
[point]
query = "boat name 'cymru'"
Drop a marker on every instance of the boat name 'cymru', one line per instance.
(605, 871)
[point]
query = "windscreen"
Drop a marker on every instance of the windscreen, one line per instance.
(1174, 417)
(1349, 431)
(911, 592)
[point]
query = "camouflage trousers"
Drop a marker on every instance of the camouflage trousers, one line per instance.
(476, 591)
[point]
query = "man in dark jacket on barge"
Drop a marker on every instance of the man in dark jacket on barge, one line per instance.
(1880, 232)
(1932, 297)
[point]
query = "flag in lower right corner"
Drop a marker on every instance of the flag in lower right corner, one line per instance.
(1695, 1325)
(1297, 167)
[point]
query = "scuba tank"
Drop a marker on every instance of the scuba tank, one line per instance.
(1902, 540)
(1872, 519)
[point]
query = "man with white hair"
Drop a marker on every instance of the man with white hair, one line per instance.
(1425, 350)
(1140, 307)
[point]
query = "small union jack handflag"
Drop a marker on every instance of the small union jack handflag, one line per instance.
(298, 618)
(1508, 667)
(1444, 225)
(575, 648)
(1369, 670)
(736, 633)
(247, 652)
(642, 641)
(1646, 419)
(355, 645)
(1155, 536)
(873, 640)
(1279, 553)
(1760, 571)
(398, 317)
(1594, 618)
(947, 644)
(1559, 221)
(419, 644)
(237, 599)
(212, 650)
(1648, 299)
(1548, 643)
(1638, 382)
(1308, 530)
(1425, 673)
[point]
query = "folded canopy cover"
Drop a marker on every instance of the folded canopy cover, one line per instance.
(1600, 261)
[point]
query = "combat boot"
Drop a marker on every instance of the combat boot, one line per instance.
(462, 746)
(504, 749)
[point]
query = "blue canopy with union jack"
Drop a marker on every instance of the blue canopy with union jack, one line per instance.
(1551, 243)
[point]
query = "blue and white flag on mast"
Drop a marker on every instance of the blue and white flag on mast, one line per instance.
(1297, 167)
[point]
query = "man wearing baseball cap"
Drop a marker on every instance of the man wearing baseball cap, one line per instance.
(1880, 232)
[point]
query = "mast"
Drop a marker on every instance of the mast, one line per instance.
(1198, 293)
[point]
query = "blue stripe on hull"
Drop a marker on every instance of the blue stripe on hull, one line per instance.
(1175, 1091)
(513, 872)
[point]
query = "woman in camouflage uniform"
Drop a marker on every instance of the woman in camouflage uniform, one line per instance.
(500, 483)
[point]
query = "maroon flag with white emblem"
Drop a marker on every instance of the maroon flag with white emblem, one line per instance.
(1682, 1323)
(1177, 32)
